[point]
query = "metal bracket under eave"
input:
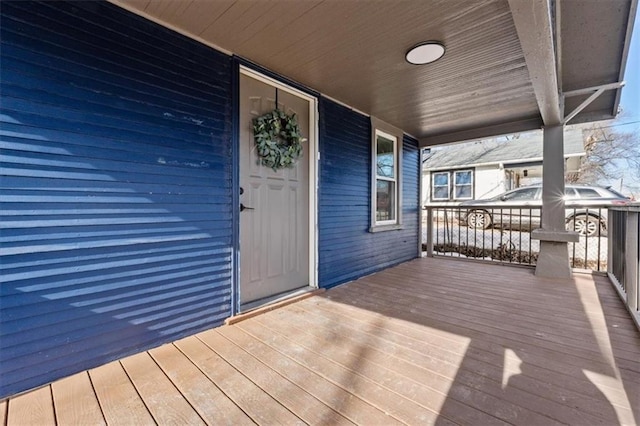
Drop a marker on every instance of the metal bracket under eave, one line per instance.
(597, 91)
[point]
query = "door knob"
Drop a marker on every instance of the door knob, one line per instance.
(243, 207)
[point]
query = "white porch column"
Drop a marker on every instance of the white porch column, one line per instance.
(553, 260)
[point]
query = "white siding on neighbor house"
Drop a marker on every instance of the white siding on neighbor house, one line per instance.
(489, 181)
(426, 188)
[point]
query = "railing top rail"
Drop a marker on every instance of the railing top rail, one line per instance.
(635, 209)
(568, 205)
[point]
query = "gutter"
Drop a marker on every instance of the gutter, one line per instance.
(492, 163)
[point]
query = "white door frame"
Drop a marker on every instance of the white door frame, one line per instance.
(313, 165)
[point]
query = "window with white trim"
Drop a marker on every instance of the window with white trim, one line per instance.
(386, 178)
(463, 185)
(386, 148)
(452, 185)
(440, 186)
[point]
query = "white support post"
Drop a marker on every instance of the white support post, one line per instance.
(631, 261)
(610, 244)
(429, 231)
(553, 260)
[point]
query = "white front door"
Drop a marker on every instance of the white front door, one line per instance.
(274, 224)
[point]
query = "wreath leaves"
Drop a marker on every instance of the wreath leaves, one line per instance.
(278, 139)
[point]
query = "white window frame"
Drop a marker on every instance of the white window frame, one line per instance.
(433, 186)
(379, 128)
(453, 195)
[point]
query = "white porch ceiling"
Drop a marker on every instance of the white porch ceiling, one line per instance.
(353, 51)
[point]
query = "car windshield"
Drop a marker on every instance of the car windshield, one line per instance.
(517, 195)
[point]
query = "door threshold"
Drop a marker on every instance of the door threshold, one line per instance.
(267, 304)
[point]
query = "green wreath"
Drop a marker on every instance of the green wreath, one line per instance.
(278, 139)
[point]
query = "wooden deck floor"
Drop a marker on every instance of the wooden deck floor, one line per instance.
(430, 341)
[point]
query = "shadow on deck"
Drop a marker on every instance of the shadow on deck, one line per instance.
(430, 341)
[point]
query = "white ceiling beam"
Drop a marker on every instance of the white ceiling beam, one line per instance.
(492, 130)
(590, 90)
(534, 27)
(597, 91)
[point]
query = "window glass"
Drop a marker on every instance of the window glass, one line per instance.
(463, 184)
(463, 191)
(385, 200)
(440, 179)
(385, 157)
(522, 194)
(587, 193)
(441, 186)
(463, 178)
(570, 193)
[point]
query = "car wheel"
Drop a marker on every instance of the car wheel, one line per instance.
(584, 225)
(478, 219)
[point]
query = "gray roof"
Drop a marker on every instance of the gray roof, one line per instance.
(527, 148)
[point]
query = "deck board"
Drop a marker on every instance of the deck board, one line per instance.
(576, 343)
(301, 403)
(34, 408)
(203, 395)
(432, 341)
(428, 364)
(339, 399)
(75, 401)
(382, 368)
(164, 400)
(435, 352)
(118, 398)
(258, 405)
(400, 409)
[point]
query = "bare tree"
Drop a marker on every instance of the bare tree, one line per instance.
(610, 155)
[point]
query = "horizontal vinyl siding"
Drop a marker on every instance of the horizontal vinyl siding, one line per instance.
(116, 227)
(347, 249)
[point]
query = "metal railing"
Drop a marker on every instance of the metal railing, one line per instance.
(624, 252)
(500, 233)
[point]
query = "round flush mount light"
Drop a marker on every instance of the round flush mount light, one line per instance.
(425, 52)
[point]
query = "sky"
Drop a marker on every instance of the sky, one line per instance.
(629, 118)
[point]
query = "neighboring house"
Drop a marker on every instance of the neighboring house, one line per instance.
(483, 169)
(135, 211)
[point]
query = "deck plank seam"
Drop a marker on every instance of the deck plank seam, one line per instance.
(486, 312)
(212, 381)
(455, 324)
(53, 404)
(322, 376)
(300, 329)
(197, 336)
(420, 384)
(554, 346)
(93, 389)
(279, 374)
(188, 401)
(146, 406)
(473, 356)
(392, 354)
(305, 368)
(355, 373)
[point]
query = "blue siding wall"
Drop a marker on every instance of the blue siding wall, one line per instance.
(347, 249)
(116, 188)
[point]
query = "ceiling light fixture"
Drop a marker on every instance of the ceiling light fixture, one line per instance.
(425, 52)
